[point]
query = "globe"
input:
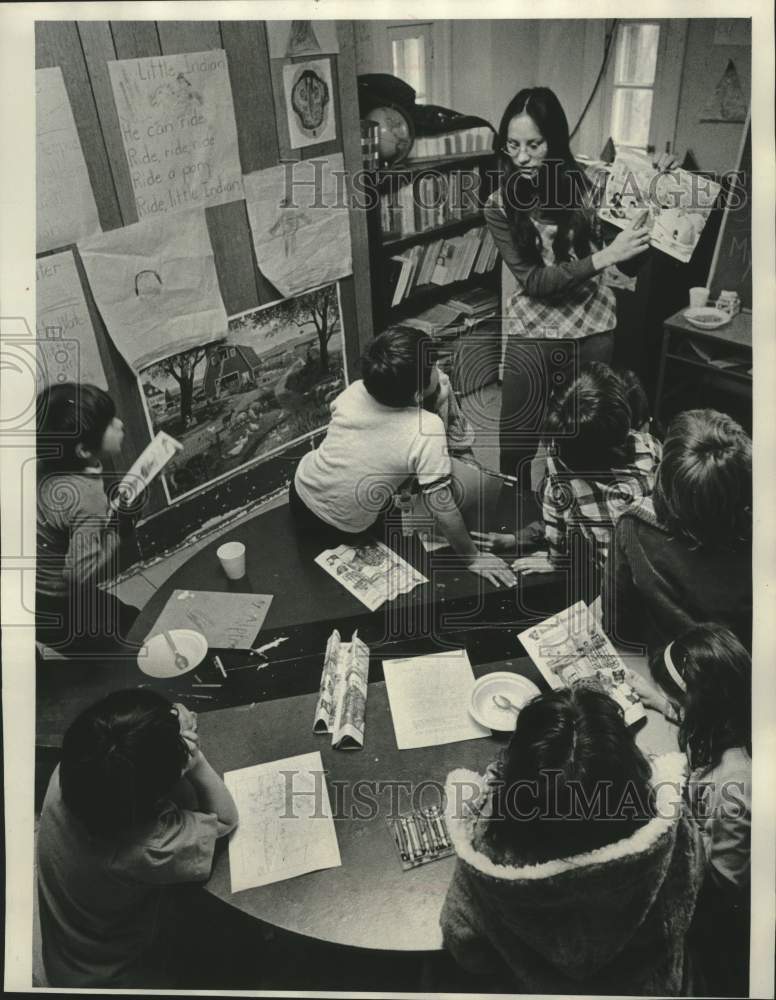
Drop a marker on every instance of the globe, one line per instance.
(396, 133)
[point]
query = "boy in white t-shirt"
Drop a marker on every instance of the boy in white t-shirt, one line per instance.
(379, 436)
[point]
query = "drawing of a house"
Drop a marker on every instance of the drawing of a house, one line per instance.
(231, 368)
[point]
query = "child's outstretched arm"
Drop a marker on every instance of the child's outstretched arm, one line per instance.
(441, 504)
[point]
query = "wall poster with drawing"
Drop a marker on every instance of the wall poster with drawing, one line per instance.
(264, 387)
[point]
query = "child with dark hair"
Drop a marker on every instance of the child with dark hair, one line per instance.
(638, 404)
(706, 675)
(380, 436)
(683, 556)
(597, 467)
(133, 808)
(78, 534)
(573, 876)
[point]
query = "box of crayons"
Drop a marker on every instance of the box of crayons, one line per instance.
(420, 837)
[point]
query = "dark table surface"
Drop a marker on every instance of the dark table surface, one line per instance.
(370, 901)
(455, 608)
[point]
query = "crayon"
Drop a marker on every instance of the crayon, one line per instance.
(414, 846)
(417, 846)
(398, 833)
(439, 826)
(425, 839)
(219, 665)
(433, 835)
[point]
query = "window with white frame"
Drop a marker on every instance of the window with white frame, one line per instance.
(635, 64)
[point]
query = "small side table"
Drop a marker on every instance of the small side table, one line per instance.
(725, 352)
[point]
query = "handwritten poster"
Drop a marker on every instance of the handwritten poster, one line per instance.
(67, 347)
(301, 38)
(66, 209)
(300, 224)
(156, 287)
(309, 102)
(177, 123)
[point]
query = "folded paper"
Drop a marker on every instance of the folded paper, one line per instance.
(341, 706)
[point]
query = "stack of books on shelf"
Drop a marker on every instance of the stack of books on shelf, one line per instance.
(451, 318)
(434, 200)
(442, 262)
(468, 140)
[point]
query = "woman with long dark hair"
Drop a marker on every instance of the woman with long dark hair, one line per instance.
(575, 872)
(542, 218)
(706, 680)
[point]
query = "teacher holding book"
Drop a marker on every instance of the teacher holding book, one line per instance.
(542, 218)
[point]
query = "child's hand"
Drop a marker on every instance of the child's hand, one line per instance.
(538, 562)
(187, 720)
(646, 690)
(493, 569)
(665, 162)
(493, 541)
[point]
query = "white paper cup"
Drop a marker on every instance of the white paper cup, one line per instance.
(232, 556)
(698, 297)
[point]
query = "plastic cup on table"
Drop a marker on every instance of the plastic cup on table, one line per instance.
(232, 556)
(698, 297)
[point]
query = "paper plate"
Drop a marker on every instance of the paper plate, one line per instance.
(706, 317)
(517, 688)
(157, 659)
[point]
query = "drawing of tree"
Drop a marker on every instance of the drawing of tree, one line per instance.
(181, 367)
(322, 310)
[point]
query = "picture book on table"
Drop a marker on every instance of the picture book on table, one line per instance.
(571, 648)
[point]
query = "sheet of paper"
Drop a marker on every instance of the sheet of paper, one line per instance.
(284, 830)
(67, 346)
(288, 39)
(65, 205)
(429, 699)
(341, 706)
(300, 223)
(309, 102)
(228, 621)
(372, 573)
(679, 202)
(177, 124)
(147, 466)
(155, 284)
(571, 648)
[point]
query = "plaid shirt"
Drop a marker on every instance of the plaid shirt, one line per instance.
(592, 506)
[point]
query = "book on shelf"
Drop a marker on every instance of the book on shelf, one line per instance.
(453, 317)
(478, 139)
(441, 262)
(432, 200)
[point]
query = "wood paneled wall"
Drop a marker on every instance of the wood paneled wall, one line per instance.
(82, 50)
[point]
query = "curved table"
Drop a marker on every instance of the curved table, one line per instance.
(370, 901)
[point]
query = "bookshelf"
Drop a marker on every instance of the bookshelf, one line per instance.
(427, 237)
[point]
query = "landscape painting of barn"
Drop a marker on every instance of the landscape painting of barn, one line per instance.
(268, 384)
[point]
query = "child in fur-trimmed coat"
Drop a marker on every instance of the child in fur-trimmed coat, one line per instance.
(578, 865)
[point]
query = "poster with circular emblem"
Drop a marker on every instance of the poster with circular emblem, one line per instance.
(309, 102)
